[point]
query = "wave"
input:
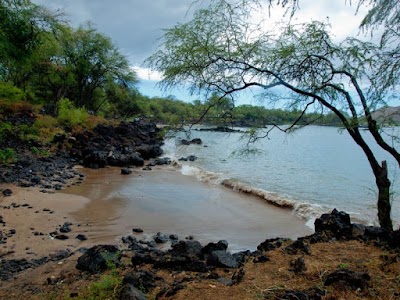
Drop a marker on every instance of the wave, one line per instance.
(303, 210)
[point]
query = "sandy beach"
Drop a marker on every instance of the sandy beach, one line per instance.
(108, 205)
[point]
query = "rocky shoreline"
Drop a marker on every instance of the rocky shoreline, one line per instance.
(140, 261)
(166, 266)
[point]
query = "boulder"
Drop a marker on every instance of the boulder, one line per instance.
(188, 248)
(222, 259)
(99, 258)
(65, 228)
(7, 193)
(126, 171)
(337, 224)
(298, 246)
(374, 233)
(348, 278)
(211, 247)
(81, 237)
(160, 238)
(270, 244)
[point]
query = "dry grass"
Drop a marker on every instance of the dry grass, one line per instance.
(261, 281)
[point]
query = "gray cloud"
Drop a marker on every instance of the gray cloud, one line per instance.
(134, 25)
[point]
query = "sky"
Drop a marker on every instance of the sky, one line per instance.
(136, 26)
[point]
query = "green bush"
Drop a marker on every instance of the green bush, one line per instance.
(10, 93)
(5, 129)
(27, 132)
(69, 115)
(7, 156)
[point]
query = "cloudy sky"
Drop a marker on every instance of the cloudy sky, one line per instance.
(135, 26)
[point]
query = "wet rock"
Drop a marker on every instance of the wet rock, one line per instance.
(126, 171)
(160, 238)
(65, 228)
(81, 237)
(298, 266)
(173, 237)
(188, 158)
(336, 223)
(162, 161)
(137, 230)
(61, 237)
(348, 278)
(195, 141)
(98, 258)
(7, 193)
(132, 243)
(222, 259)
(211, 247)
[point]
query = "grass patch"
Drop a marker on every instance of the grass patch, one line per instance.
(7, 156)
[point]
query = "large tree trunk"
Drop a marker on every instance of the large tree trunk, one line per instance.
(384, 206)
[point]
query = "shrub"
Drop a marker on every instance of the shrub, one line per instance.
(5, 129)
(10, 93)
(7, 156)
(69, 115)
(48, 127)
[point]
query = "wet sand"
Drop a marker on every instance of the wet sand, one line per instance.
(164, 200)
(108, 205)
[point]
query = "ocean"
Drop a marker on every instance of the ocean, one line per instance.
(274, 189)
(311, 170)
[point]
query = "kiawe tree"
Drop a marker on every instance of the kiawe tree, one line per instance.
(222, 50)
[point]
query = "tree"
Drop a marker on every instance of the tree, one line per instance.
(22, 25)
(222, 51)
(96, 64)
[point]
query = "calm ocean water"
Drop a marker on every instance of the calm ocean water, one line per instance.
(312, 170)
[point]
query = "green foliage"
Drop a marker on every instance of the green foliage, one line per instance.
(27, 132)
(7, 156)
(5, 129)
(10, 93)
(69, 115)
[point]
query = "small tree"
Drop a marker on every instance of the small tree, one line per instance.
(222, 50)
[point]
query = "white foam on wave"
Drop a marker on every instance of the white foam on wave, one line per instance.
(306, 211)
(303, 210)
(202, 175)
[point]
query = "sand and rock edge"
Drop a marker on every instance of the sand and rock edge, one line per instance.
(340, 260)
